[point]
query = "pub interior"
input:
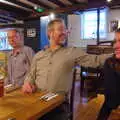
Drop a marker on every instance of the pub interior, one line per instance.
(91, 26)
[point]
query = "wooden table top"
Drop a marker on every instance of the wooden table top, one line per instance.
(26, 106)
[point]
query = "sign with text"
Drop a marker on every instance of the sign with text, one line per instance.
(31, 32)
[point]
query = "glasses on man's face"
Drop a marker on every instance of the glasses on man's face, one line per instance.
(67, 31)
(12, 37)
(60, 29)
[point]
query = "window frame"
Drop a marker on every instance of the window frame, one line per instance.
(102, 10)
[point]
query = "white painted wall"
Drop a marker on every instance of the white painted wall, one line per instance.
(112, 15)
(74, 22)
(74, 27)
(74, 38)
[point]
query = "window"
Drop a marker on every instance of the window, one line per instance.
(4, 45)
(103, 24)
(89, 24)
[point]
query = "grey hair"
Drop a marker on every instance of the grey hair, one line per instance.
(20, 32)
(52, 22)
(17, 30)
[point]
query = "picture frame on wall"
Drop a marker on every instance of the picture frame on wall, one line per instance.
(113, 25)
(31, 32)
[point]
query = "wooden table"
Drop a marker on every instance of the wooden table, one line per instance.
(26, 106)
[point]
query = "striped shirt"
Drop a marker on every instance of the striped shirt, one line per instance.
(18, 65)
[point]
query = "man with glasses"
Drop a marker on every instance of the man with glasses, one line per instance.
(19, 59)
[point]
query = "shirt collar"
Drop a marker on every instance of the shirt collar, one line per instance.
(16, 52)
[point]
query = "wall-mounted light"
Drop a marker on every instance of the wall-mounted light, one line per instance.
(109, 0)
(52, 16)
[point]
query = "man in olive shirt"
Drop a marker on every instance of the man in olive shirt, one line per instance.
(51, 69)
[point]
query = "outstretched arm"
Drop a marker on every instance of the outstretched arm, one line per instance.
(89, 60)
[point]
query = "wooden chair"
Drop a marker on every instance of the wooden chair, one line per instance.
(94, 76)
(89, 82)
(70, 103)
(72, 94)
(110, 43)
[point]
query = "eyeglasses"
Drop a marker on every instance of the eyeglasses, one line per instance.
(12, 37)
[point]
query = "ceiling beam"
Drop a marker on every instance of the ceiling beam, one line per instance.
(13, 12)
(48, 3)
(60, 4)
(59, 10)
(103, 3)
(97, 4)
(20, 3)
(78, 7)
(14, 5)
(13, 25)
(82, 1)
(41, 4)
(30, 3)
(66, 2)
(8, 18)
(73, 1)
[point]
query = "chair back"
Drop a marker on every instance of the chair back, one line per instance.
(89, 82)
(72, 94)
(70, 99)
(103, 47)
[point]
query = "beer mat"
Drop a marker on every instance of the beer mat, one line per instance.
(10, 88)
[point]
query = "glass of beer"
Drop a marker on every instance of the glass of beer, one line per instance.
(1, 85)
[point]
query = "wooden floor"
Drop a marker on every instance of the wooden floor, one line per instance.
(88, 110)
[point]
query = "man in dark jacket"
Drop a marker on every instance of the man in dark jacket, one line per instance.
(112, 81)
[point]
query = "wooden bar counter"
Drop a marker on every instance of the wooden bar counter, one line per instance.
(26, 106)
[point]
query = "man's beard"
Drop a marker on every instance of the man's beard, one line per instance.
(62, 42)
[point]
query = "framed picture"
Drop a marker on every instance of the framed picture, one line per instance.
(113, 25)
(31, 32)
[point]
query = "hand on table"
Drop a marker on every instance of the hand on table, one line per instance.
(28, 88)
